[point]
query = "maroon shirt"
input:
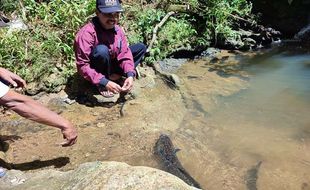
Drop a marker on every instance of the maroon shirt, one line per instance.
(91, 35)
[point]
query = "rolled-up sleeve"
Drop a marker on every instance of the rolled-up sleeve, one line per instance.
(83, 46)
(125, 56)
(3, 89)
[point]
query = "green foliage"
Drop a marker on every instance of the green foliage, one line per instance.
(176, 33)
(47, 46)
(7, 5)
(205, 23)
(220, 17)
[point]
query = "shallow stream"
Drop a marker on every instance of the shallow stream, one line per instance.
(256, 138)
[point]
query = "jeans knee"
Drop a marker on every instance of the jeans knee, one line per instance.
(101, 51)
(142, 47)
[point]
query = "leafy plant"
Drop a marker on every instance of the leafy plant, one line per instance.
(47, 46)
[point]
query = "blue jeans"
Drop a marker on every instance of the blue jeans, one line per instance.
(100, 59)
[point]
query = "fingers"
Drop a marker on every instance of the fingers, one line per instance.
(127, 87)
(16, 81)
(70, 134)
(12, 82)
(113, 87)
(12, 78)
(69, 142)
(20, 82)
(118, 89)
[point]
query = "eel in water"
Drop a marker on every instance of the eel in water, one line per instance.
(252, 176)
(167, 153)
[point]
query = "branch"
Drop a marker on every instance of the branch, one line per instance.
(239, 18)
(155, 30)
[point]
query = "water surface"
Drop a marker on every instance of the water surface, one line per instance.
(267, 123)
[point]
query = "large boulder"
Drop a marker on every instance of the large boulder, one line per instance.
(94, 175)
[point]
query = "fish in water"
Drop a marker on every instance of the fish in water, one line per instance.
(167, 153)
(252, 176)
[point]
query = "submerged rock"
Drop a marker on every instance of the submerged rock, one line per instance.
(95, 175)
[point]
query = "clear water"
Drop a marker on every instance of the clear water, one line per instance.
(266, 123)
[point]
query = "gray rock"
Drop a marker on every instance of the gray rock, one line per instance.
(171, 65)
(101, 99)
(210, 52)
(95, 175)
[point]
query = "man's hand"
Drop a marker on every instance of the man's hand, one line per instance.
(128, 84)
(70, 135)
(113, 87)
(12, 78)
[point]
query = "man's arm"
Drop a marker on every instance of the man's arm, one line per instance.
(126, 63)
(35, 111)
(125, 57)
(83, 45)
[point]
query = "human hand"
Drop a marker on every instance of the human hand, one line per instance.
(128, 84)
(113, 87)
(12, 78)
(70, 134)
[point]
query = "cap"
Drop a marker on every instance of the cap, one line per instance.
(109, 6)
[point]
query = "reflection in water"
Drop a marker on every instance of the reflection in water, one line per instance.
(268, 123)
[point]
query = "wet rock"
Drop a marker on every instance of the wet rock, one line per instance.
(53, 83)
(210, 52)
(33, 88)
(171, 65)
(96, 175)
(57, 104)
(172, 80)
(101, 99)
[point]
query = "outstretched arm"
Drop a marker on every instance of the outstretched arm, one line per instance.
(35, 111)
